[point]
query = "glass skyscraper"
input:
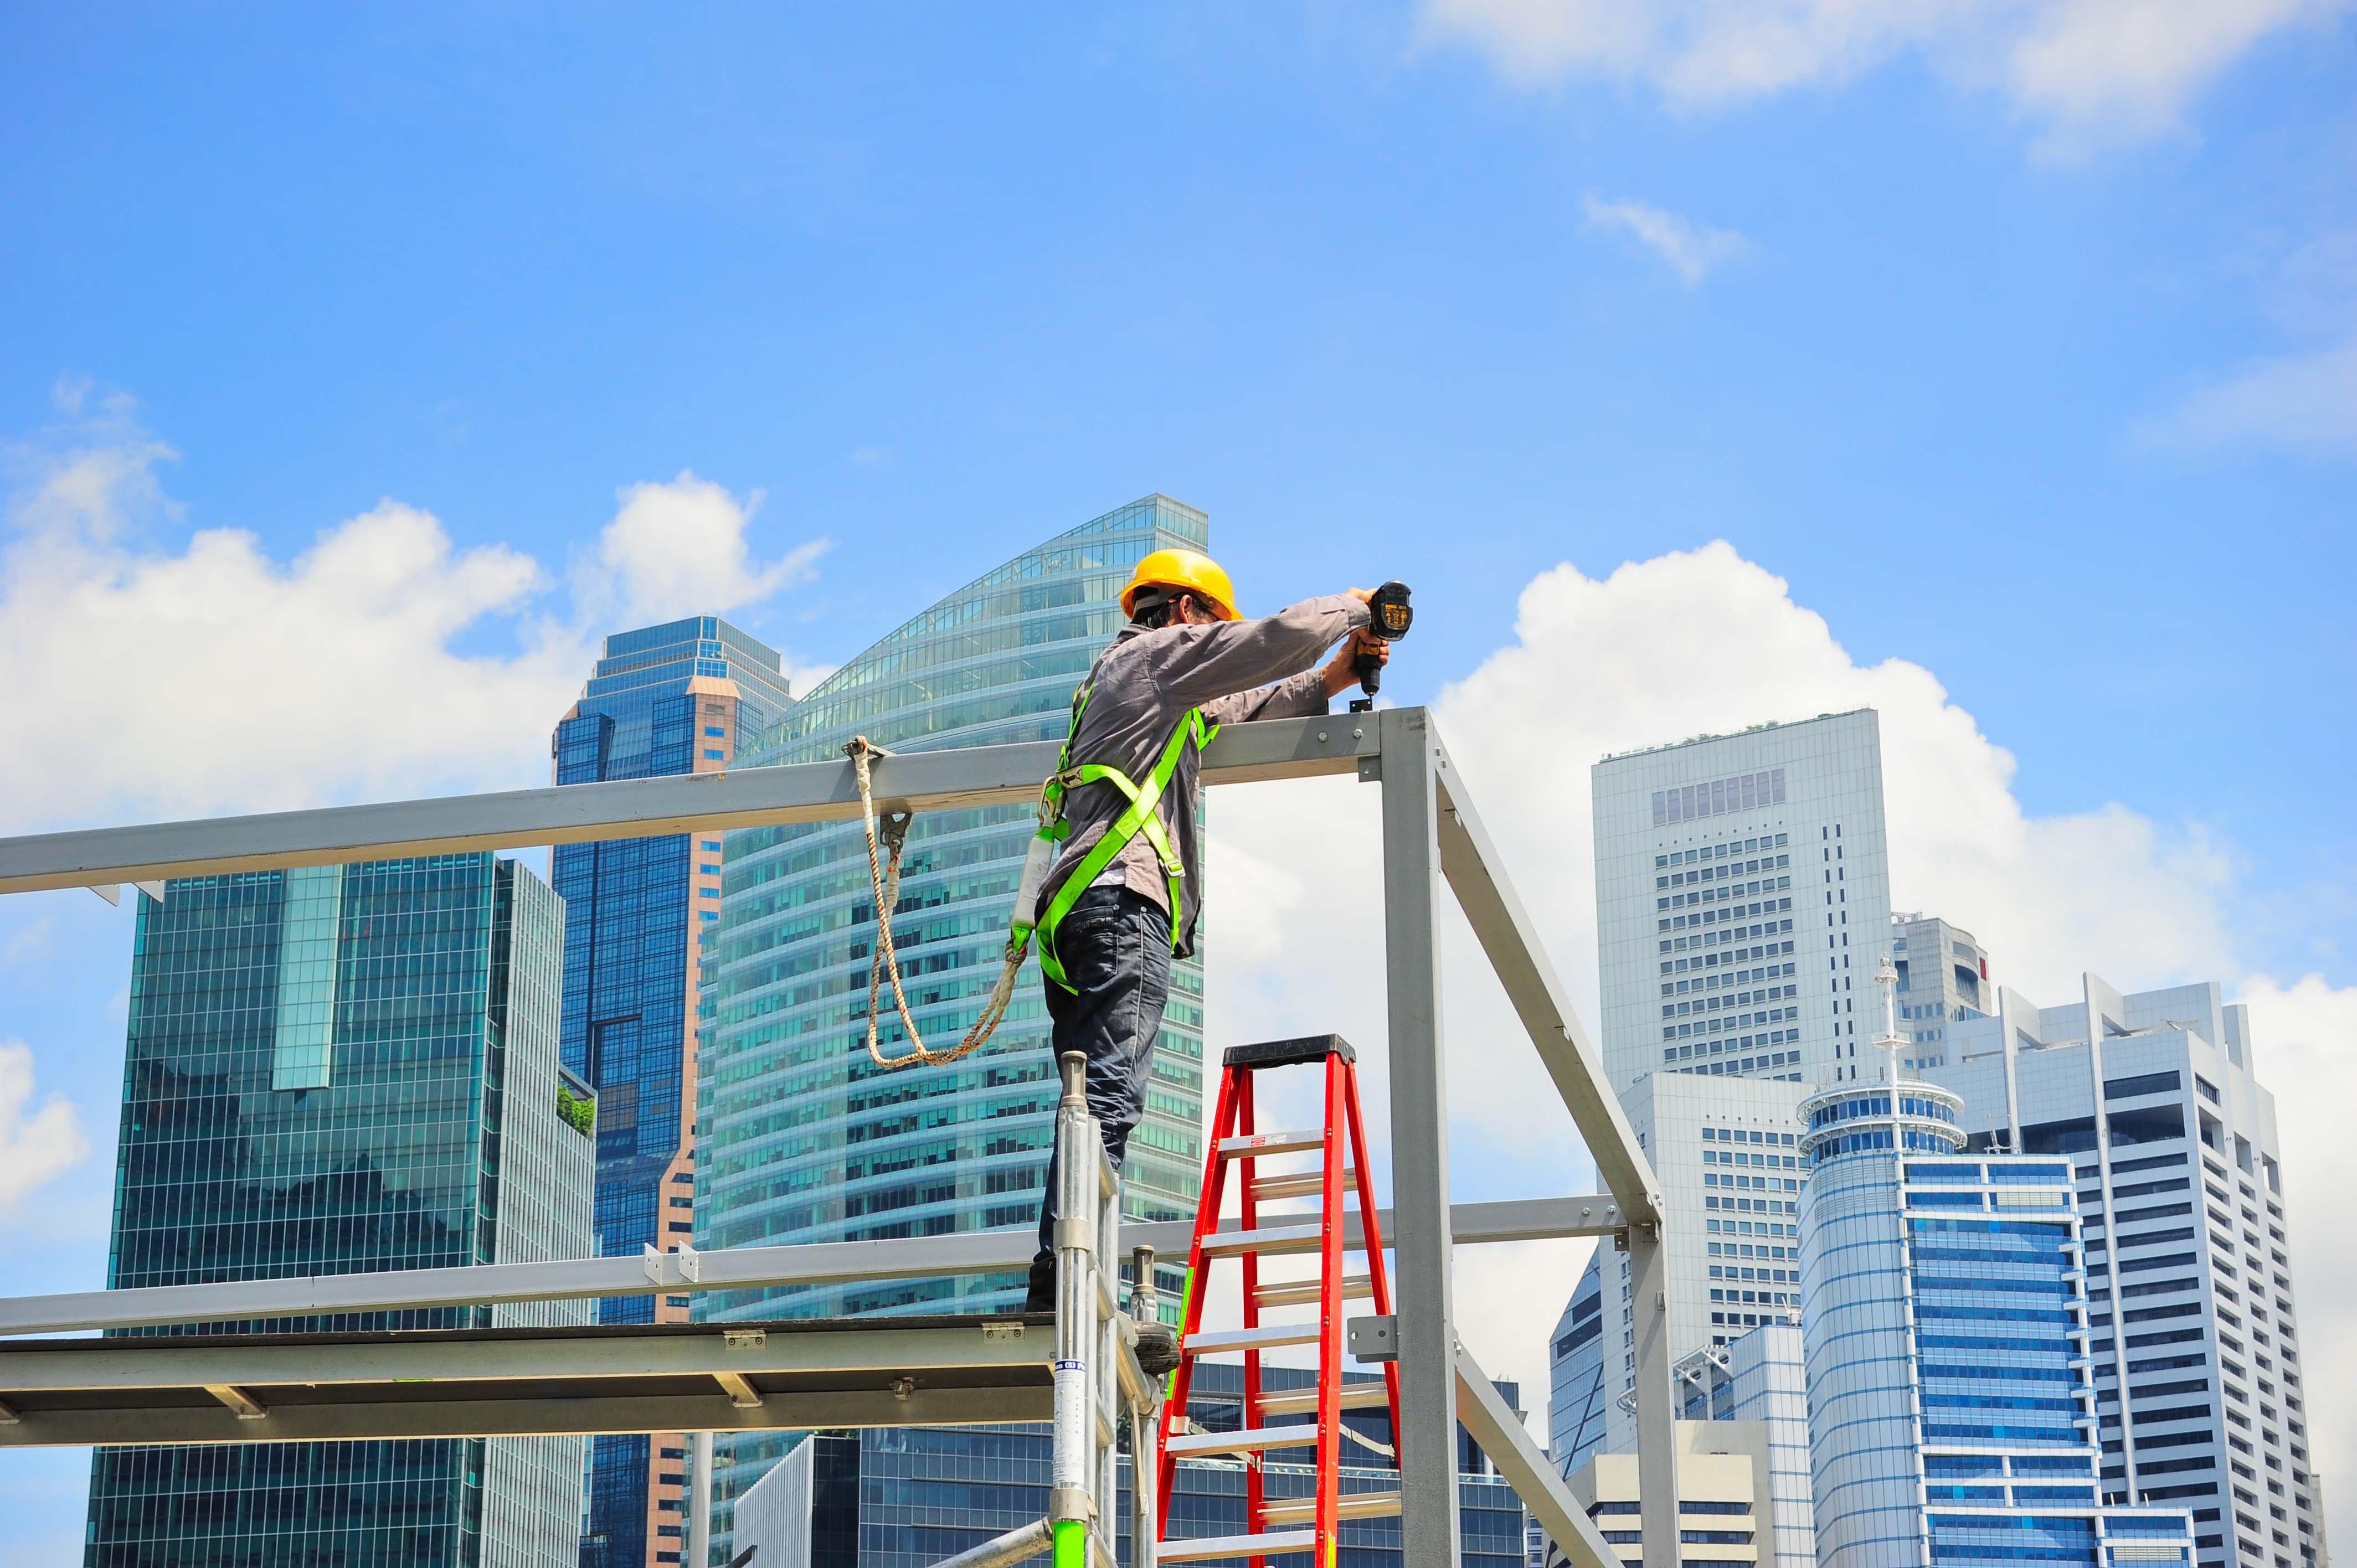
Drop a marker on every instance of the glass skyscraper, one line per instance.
(669, 699)
(1952, 1409)
(338, 1070)
(802, 1138)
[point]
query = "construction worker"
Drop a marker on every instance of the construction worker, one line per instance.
(1120, 900)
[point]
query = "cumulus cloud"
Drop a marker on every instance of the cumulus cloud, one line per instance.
(681, 549)
(2143, 902)
(201, 673)
(2306, 403)
(36, 1145)
(1690, 250)
(165, 673)
(2090, 72)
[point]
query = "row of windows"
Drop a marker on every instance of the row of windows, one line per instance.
(1744, 792)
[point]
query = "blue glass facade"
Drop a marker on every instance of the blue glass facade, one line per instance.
(909, 1498)
(333, 1071)
(664, 700)
(1952, 1411)
(802, 1139)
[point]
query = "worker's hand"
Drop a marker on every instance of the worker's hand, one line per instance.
(1342, 670)
(1364, 596)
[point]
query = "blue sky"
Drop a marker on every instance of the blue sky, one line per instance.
(2017, 353)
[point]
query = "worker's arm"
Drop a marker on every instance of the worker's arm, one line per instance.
(1198, 665)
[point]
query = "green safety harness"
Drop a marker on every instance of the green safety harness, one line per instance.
(1142, 817)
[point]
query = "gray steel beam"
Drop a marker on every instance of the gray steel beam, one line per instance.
(187, 1361)
(533, 1417)
(1476, 874)
(1526, 1468)
(635, 807)
(1420, 1237)
(1657, 1438)
(739, 1268)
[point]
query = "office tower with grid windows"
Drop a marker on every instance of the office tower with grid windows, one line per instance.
(332, 1071)
(670, 699)
(2147, 1103)
(1943, 980)
(1952, 1419)
(1742, 895)
(1725, 1154)
(803, 1139)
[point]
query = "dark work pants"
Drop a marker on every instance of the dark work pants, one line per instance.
(1116, 948)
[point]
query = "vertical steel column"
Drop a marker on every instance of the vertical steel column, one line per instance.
(1420, 1233)
(1073, 1461)
(1657, 1438)
(699, 1501)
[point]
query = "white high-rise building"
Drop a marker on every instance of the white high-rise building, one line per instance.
(2200, 1399)
(1724, 1150)
(1742, 896)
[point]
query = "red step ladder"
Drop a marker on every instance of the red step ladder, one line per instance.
(1280, 1525)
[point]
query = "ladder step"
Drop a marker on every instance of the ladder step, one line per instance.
(1277, 1241)
(1299, 1184)
(1205, 1547)
(1304, 1402)
(1350, 1505)
(1298, 1292)
(1250, 1440)
(1251, 1145)
(1265, 1337)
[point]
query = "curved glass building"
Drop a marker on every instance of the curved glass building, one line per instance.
(800, 1137)
(1951, 1415)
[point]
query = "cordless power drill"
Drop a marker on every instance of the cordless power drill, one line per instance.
(1391, 617)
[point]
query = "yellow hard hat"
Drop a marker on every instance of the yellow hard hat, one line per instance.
(1197, 573)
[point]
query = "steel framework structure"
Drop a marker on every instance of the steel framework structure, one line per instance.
(1430, 834)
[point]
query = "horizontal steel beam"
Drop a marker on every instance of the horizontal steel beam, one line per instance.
(1476, 874)
(634, 808)
(256, 1362)
(738, 1268)
(533, 1417)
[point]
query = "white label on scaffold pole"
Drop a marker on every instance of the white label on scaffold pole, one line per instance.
(1071, 1467)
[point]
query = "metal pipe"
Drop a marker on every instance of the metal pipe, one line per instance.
(699, 1501)
(1077, 1151)
(1006, 1551)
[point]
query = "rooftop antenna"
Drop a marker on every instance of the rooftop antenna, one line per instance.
(1889, 1043)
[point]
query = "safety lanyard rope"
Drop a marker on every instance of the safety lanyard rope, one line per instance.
(884, 879)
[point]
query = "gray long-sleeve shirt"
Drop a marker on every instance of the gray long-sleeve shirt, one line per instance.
(1144, 683)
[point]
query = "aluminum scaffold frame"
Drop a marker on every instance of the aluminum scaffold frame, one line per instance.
(1430, 833)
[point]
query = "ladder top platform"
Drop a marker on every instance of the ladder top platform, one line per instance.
(1289, 1053)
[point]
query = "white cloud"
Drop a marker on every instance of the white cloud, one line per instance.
(680, 548)
(2090, 72)
(35, 1145)
(2307, 402)
(207, 676)
(1586, 673)
(1690, 250)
